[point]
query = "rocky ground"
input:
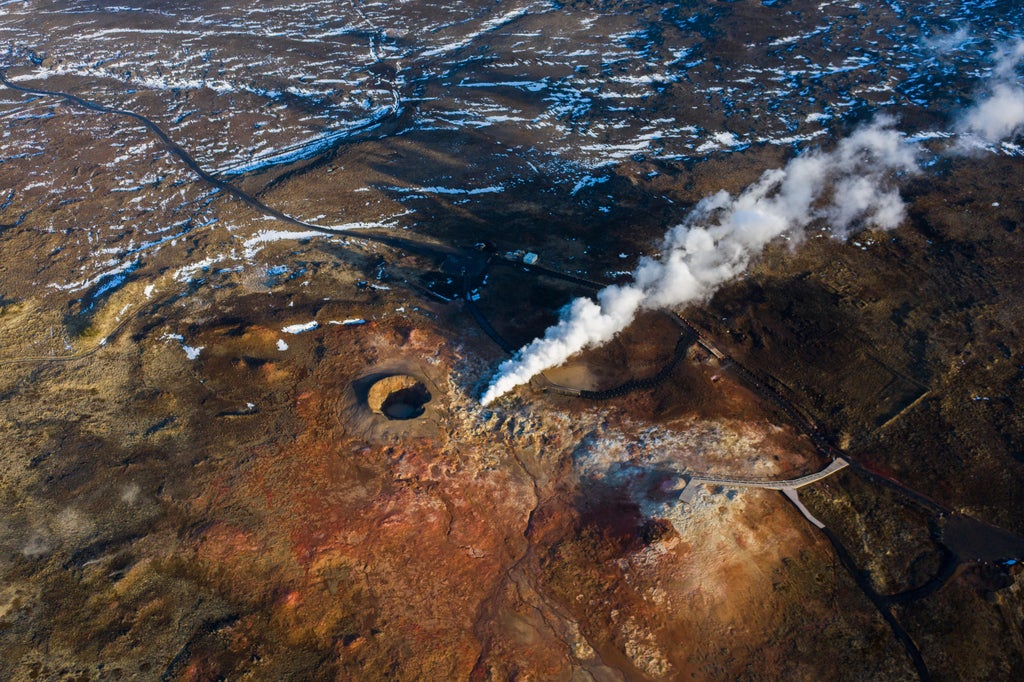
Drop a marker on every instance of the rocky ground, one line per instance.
(193, 484)
(244, 512)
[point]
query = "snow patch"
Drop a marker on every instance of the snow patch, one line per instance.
(299, 328)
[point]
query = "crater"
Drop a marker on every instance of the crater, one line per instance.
(398, 397)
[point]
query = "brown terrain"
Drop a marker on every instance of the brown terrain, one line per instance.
(196, 483)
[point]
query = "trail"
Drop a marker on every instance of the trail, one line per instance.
(178, 151)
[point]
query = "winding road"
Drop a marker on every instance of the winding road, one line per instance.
(185, 157)
(476, 267)
(175, 149)
(418, 247)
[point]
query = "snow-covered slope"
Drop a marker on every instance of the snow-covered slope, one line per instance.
(570, 90)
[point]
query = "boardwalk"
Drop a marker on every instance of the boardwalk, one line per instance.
(788, 487)
(772, 484)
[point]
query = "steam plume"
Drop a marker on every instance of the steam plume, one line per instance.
(845, 187)
(1000, 115)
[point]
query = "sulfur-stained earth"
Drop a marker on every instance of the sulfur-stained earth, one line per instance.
(196, 485)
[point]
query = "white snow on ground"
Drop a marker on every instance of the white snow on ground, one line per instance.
(188, 272)
(604, 88)
(299, 328)
(587, 181)
(719, 140)
(307, 148)
(113, 272)
(488, 25)
(191, 352)
(253, 244)
(493, 189)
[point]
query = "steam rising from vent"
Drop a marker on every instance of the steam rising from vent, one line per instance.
(846, 188)
(1000, 115)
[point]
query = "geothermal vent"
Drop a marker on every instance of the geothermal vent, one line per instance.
(399, 396)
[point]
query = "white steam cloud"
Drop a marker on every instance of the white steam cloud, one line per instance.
(1000, 115)
(846, 187)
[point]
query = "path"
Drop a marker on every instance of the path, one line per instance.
(186, 158)
(788, 487)
(772, 484)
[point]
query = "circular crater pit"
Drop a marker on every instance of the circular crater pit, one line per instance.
(399, 396)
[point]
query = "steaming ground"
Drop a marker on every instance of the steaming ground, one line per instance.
(849, 188)
(192, 488)
(843, 189)
(477, 106)
(999, 113)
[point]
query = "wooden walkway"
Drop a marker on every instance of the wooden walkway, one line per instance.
(772, 484)
(788, 487)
